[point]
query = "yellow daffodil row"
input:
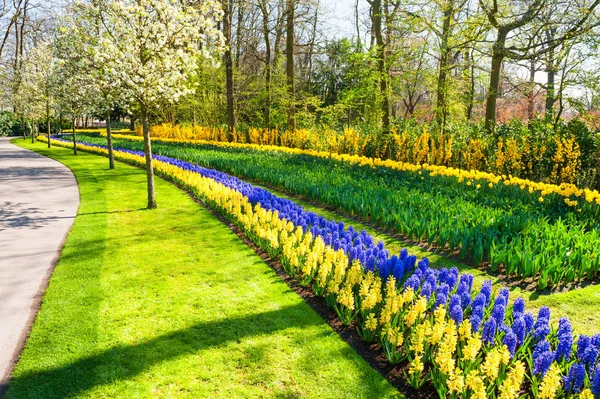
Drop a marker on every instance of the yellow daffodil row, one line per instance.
(567, 190)
(452, 358)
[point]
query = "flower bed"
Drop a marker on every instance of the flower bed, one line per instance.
(466, 344)
(547, 242)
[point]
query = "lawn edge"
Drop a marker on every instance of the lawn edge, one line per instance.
(39, 295)
(371, 353)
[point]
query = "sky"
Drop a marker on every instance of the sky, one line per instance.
(338, 18)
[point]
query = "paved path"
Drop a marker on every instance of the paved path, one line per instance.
(38, 203)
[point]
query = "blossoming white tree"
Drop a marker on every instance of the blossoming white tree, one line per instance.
(154, 47)
(76, 94)
(37, 89)
(78, 38)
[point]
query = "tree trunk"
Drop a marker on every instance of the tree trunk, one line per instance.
(383, 75)
(148, 153)
(441, 109)
(289, 65)
(48, 122)
(551, 72)
(267, 39)
(74, 139)
(238, 33)
(550, 89)
(531, 94)
(111, 157)
(227, 8)
(32, 132)
(132, 123)
(356, 22)
(492, 96)
(471, 94)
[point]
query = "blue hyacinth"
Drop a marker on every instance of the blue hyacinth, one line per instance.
(529, 322)
(454, 301)
(478, 311)
(595, 382)
(541, 347)
(503, 296)
(456, 313)
(475, 323)
(582, 344)
(510, 340)
(479, 301)
(499, 312)
(486, 290)
(565, 340)
(542, 363)
(412, 282)
(573, 382)
(426, 290)
(542, 325)
(519, 306)
(489, 331)
(590, 356)
(443, 289)
(440, 299)
(519, 329)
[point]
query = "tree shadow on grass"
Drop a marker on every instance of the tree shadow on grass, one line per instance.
(127, 361)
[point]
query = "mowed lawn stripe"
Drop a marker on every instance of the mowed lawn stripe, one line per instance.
(170, 303)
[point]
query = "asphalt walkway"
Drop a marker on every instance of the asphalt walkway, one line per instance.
(38, 203)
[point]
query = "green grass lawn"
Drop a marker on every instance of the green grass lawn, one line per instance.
(579, 305)
(170, 303)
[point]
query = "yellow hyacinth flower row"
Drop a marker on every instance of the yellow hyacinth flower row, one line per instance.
(565, 190)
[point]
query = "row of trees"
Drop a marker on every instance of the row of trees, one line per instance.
(451, 59)
(136, 54)
(274, 64)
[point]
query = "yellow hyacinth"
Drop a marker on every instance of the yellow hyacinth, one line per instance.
(512, 384)
(550, 384)
(471, 350)
(456, 381)
(586, 394)
(371, 322)
(416, 366)
(475, 383)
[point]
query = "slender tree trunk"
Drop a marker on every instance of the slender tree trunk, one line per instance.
(358, 44)
(111, 157)
(227, 8)
(492, 96)
(289, 66)
(148, 153)
(471, 95)
(74, 139)
(267, 39)
(551, 72)
(48, 122)
(32, 132)
(383, 75)
(531, 94)
(238, 33)
(441, 109)
(550, 87)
